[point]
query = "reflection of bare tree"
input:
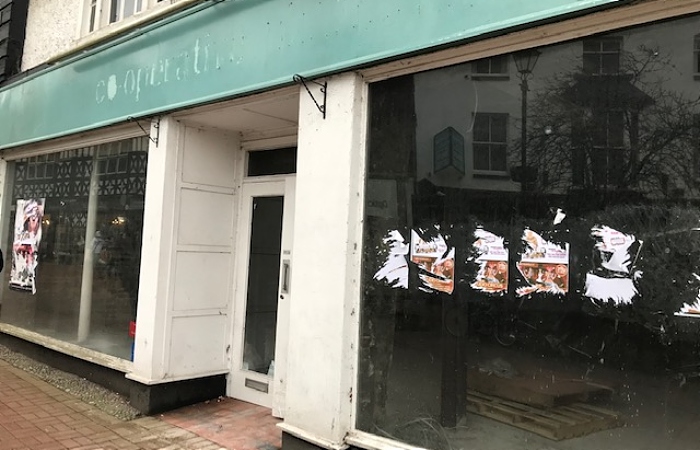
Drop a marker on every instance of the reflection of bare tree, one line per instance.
(626, 131)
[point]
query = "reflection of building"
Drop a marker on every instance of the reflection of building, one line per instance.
(239, 212)
(598, 108)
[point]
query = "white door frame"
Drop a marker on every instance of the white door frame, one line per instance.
(244, 384)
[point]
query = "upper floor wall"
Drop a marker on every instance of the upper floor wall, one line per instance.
(52, 28)
(55, 28)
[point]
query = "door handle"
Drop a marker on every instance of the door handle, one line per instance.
(286, 266)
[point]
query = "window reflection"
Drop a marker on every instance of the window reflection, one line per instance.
(574, 319)
(87, 262)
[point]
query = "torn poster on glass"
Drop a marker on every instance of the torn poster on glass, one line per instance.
(394, 270)
(493, 262)
(691, 310)
(25, 245)
(544, 265)
(436, 260)
(613, 278)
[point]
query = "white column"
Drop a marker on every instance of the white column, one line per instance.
(89, 253)
(324, 316)
(150, 345)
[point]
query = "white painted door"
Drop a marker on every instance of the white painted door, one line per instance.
(262, 293)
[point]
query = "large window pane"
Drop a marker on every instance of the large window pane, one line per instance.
(552, 306)
(76, 279)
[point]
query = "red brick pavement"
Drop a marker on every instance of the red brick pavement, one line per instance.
(37, 416)
(231, 423)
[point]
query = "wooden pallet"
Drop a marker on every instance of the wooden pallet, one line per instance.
(556, 423)
(541, 388)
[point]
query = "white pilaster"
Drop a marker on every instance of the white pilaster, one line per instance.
(156, 254)
(327, 251)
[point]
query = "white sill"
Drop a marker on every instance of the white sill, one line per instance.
(369, 441)
(310, 437)
(76, 351)
(111, 30)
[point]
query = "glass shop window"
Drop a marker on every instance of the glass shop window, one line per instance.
(73, 244)
(556, 305)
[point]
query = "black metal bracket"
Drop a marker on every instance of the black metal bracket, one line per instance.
(156, 125)
(299, 79)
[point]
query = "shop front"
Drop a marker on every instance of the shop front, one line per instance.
(403, 229)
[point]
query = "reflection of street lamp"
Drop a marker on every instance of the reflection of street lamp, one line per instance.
(525, 61)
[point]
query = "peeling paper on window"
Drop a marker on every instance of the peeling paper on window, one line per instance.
(493, 262)
(559, 217)
(615, 248)
(436, 261)
(618, 290)
(544, 265)
(395, 269)
(692, 310)
(614, 278)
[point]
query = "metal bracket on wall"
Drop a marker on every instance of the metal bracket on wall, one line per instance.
(154, 124)
(299, 79)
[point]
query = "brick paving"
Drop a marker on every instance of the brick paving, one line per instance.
(35, 415)
(222, 421)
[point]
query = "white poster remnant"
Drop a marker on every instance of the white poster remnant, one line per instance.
(395, 269)
(691, 310)
(613, 280)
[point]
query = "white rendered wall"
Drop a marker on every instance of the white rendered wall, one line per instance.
(52, 28)
(326, 276)
(185, 287)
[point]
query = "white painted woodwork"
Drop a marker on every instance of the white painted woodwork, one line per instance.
(205, 218)
(323, 326)
(197, 345)
(183, 317)
(201, 281)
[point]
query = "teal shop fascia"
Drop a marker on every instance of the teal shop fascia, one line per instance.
(219, 50)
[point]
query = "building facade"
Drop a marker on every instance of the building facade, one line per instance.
(395, 224)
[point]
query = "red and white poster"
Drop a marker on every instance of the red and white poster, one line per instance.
(493, 262)
(436, 260)
(25, 245)
(544, 266)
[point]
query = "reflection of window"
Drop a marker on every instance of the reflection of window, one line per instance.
(601, 56)
(494, 66)
(113, 158)
(41, 167)
(101, 13)
(489, 142)
(607, 154)
(696, 54)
